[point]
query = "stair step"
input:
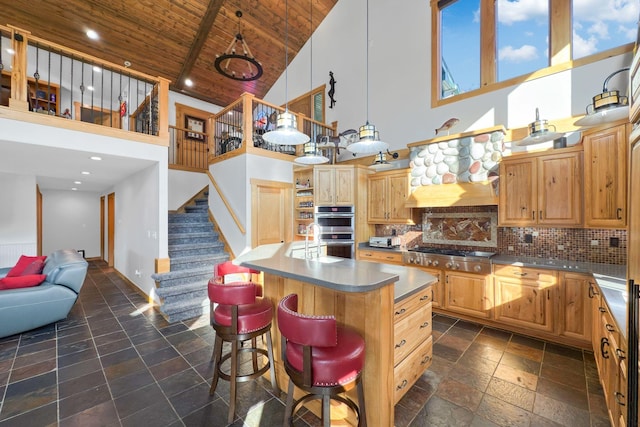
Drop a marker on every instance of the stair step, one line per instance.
(197, 208)
(197, 261)
(183, 310)
(184, 291)
(192, 249)
(180, 278)
(186, 227)
(190, 217)
(184, 238)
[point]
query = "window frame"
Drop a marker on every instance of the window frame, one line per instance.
(560, 49)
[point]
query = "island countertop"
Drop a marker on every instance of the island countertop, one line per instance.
(341, 274)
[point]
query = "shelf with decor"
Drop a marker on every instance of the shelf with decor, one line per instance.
(303, 201)
(44, 97)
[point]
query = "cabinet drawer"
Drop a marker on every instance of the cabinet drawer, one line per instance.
(405, 307)
(537, 274)
(384, 256)
(410, 332)
(411, 368)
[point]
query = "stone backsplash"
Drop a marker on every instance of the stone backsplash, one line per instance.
(573, 244)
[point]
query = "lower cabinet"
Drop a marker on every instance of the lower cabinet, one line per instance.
(574, 311)
(387, 257)
(413, 344)
(469, 294)
(525, 297)
(610, 354)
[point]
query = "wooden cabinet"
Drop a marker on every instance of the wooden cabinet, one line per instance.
(334, 185)
(469, 294)
(524, 297)
(387, 193)
(303, 200)
(541, 189)
(574, 308)
(605, 177)
(610, 354)
(413, 345)
(437, 289)
(387, 257)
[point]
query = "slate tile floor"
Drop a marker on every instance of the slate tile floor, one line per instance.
(116, 362)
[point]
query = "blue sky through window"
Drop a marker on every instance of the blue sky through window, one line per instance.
(523, 35)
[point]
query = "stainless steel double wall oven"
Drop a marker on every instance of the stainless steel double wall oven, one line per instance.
(337, 229)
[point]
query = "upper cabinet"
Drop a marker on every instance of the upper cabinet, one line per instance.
(387, 194)
(334, 185)
(542, 189)
(605, 172)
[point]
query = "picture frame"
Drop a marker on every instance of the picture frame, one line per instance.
(195, 124)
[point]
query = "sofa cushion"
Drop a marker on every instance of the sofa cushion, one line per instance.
(27, 265)
(25, 281)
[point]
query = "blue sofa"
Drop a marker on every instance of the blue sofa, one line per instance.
(29, 308)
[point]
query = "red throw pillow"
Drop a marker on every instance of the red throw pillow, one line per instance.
(22, 281)
(24, 263)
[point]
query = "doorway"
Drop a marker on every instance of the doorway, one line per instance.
(111, 223)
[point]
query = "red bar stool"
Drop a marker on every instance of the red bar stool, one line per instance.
(321, 358)
(239, 316)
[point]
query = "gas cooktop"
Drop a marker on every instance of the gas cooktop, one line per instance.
(451, 252)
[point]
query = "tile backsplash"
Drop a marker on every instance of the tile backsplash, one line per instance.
(573, 244)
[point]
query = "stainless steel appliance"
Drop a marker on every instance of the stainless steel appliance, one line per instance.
(384, 241)
(337, 229)
(450, 259)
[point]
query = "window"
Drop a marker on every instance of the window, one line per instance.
(311, 104)
(601, 25)
(482, 45)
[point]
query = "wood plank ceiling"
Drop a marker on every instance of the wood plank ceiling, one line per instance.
(176, 39)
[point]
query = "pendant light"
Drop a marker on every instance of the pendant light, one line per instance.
(539, 131)
(368, 137)
(607, 106)
(312, 155)
(286, 131)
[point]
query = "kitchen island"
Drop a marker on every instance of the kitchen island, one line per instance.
(389, 305)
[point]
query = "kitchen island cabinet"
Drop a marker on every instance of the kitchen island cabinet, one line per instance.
(364, 296)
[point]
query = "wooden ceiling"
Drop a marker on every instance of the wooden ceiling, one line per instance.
(176, 39)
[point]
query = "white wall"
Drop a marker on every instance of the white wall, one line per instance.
(400, 76)
(191, 102)
(183, 186)
(140, 224)
(71, 220)
(18, 227)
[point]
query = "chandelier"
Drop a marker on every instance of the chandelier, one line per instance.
(230, 63)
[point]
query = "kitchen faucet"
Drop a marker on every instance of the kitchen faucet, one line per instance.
(315, 228)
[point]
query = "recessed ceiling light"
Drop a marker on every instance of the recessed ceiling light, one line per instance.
(74, 189)
(86, 173)
(97, 69)
(188, 82)
(95, 158)
(77, 182)
(92, 35)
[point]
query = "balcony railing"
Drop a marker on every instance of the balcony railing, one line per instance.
(46, 78)
(238, 129)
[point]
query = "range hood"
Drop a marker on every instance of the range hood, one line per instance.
(456, 194)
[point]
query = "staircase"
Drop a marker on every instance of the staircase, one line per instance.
(194, 249)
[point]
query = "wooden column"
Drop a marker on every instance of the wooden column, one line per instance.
(19, 89)
(163, 109)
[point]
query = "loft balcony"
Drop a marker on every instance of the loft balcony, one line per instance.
(49, 84)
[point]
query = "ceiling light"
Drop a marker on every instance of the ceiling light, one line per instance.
(74, 189)
(539, 132)
(188, 82)
(368, 136)
(286, 131)
(380, 161)
(607, 106)
(229, 63)
(312, 154)
(92, 35)
(86, 173)
(95, 158)
(77, 182)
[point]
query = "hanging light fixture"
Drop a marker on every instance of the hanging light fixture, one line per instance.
(607, 106)
(286, 131)
(312, 154)
(229, 64)
(368, 137)
(380, 161)
(539, 132)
